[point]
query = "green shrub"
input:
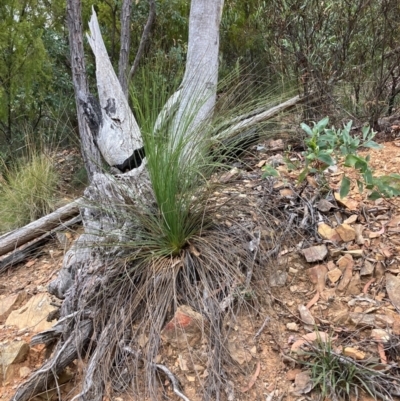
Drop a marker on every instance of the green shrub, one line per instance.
(27, 191)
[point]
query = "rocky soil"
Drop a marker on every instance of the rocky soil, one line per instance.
(338, 271)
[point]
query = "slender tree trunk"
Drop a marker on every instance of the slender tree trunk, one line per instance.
(143, 39)
(126, 12)
(199, 85)
(90, 153)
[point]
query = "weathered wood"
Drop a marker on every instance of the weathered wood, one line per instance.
(32, 248)
(90, 153)
(242, 123)
(119, 134)
(64, 354)
(37, 228)
(106, 224)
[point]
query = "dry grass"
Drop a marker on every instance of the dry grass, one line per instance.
(27, 191)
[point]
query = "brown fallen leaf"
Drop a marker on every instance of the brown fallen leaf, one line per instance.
(253, 378)
(30, 263)
(309, 338)
(313, 300)
(366, 286)
(381, 351)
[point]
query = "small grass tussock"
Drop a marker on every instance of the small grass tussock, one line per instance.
(28, 190)
(342, 378)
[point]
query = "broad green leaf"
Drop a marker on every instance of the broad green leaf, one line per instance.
(365, 131)
(372, 145)
(374, 195)
(322, 124)
(344, 187)
(306, 128)
(326, 158)
(368, 178)
(269, 171)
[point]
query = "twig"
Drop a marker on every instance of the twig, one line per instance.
(267, 319)
(174, 381)
(275, 249)
(256, 247)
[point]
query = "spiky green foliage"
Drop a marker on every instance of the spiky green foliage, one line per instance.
(342, 378)
(179, 162)
(27, 190)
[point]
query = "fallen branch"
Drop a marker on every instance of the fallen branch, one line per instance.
(245, 123)
(27, 250)
(39, 227)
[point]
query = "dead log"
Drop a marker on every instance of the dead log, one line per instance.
(16, 238)
(32, 248)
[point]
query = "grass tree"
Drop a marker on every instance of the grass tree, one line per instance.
(152, 241)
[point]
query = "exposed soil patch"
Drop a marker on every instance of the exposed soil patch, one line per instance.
(349, 293)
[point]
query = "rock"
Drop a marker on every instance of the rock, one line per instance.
(331, 265)
(341, 317)
(354, 287)
(317, 276)
(328, 233)
(344, 262)
(352, 219)
(33, 314)
(334, 275)
(9, 302)
(10, 354)
(306, 315)
(184, 329)
(362, 319)
(24, 372)
(346, 202)
(346, 232)
(393, 289)
(238, 353)
(359, 228)
(278, 278)
(367, 269)
(292, 373)
(380, 335)
(286, 193)
(315, 253)
(302, 384)
(354, 353)
(292, 326)
(276, 145)
(347, 263)
(324, 206)
(384, 321)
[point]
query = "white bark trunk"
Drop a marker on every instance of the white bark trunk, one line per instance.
(199, 85)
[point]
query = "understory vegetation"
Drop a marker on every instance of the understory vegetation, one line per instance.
(190, 239)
